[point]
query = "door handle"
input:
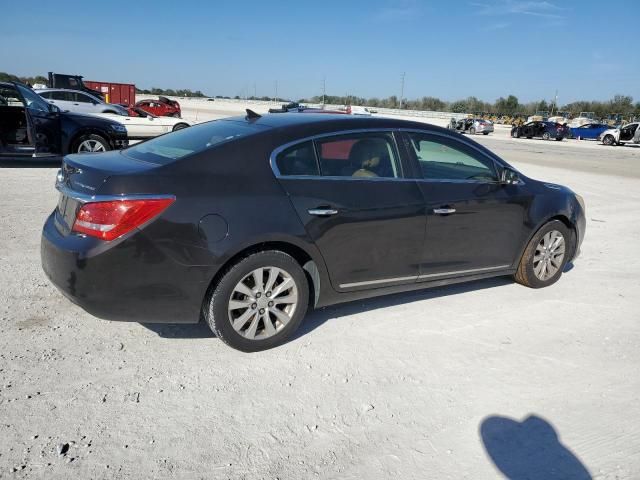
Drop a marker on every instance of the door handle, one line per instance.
(444, 211)
(322, 212)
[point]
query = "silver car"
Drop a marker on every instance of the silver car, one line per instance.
(471, 125)
(78, 101)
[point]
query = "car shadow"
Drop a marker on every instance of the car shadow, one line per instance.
(318, 317)
(529, 450)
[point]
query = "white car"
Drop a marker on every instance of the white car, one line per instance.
(78, 102)
(618, 136)
(144, 125)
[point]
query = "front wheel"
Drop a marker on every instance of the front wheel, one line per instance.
(485, 133)
(472, 130)
(545, 257)
(546, 136)
(259, 302)
(91, 144)
(608, 140)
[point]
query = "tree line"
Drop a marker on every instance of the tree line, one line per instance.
(619, 104)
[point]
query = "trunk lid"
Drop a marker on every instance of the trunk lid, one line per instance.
(81, 178)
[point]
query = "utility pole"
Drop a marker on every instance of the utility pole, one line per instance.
(255, 96)
(276, 97)
(401, 88)
(324, 88)
(555, 102)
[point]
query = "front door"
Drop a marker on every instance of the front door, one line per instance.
(474, 223)
(366, 219)
(43, 122)
(627, 132)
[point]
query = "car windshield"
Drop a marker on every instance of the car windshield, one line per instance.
(168, 148)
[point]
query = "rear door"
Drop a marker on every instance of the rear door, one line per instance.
(474, 224)
(351, 195)
(43, 123)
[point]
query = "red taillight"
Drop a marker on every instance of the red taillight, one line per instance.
(112, 219)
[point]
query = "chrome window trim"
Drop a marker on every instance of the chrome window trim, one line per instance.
(313, 138)
(424, 276)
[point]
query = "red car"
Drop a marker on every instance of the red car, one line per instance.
(163, 107)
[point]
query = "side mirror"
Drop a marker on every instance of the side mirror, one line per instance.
(54, 108)
(509, 177)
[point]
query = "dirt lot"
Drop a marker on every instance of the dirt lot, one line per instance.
(457, 382)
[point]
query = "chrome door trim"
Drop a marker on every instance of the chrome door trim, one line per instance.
(459, 272)
(86, 198)
(377, 282)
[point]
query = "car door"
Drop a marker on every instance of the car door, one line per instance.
(43, 122)
(627, 132)
(475, 224)
(528, 129)
(85, 104)
(350, 194)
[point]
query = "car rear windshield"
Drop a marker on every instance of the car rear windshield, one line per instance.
(168, 148)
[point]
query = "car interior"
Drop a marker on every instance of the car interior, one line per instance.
(627, 132)
(15, 136)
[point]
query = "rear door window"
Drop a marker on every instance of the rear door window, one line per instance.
(359, 155)
(298, 160)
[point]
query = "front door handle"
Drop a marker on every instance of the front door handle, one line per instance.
(322, 212)
(444, 211)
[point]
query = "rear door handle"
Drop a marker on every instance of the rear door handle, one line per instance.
(444, 211)
(322, 212)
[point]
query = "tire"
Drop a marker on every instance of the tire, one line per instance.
(240, 277)
(608, 140)
(472, 130)
(179, 126)
(546, 136)
(485, 133)
(91, 143)
(516, 134)
(528, 269)
(558, 139)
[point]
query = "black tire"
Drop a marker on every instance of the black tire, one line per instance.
(525, 274)
(215, 306)
(546, 136)
(472, 130)
(90, 138)
(558, 139)
(516, 134)
(608, 140)
(179, 126)
(485, 133)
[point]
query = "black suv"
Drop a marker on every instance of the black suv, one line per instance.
(30, 127)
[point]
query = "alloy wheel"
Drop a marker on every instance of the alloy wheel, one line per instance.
(91, 146)
(549, 255)
(263, 303)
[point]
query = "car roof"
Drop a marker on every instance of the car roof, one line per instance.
(331, 120)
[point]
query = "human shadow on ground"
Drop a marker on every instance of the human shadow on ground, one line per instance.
(529, 450)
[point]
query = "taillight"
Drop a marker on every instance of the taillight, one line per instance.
(112, 219)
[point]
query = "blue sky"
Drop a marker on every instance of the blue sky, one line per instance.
(449, 49)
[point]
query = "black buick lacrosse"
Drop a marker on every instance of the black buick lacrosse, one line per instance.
(248, 222)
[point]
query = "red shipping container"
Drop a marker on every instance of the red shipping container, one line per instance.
(122, 93)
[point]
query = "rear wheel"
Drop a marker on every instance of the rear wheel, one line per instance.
(472, 130)
(608, 140)
(179, 126)
(259, 302)
(546, 136)
(485, 133)
(545, 257)
(558, 139)
(91, 144)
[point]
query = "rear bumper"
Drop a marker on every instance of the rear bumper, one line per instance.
(128, 280)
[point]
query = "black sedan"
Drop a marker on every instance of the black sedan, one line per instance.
(249, 221)
(30, 127)
(544, 130)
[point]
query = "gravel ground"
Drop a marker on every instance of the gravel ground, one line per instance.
(452, 383)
